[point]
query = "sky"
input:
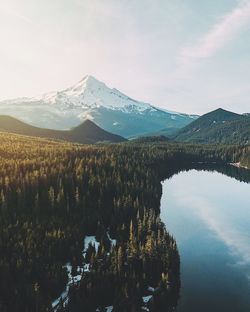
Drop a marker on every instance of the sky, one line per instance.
(183, 55)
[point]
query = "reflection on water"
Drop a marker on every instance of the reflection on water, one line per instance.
(209, 215)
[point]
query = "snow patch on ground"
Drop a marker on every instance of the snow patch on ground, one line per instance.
(71, 280)
(112, 241)
(64, 297)
(86, 267)
(108, 309)
(147, 298)
(151, 289)
(90, 240)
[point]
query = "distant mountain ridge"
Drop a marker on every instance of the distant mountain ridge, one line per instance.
(87, 132)
(92, 99)
(219, 126)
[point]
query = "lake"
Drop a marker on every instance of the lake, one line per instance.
(208, 213)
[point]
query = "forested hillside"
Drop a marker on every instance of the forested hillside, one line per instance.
(244, 160)
(52, 195)
(85, 133)
(219, 126)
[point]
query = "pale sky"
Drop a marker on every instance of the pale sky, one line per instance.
(184, 55)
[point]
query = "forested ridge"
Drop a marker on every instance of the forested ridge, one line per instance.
(85, 133)
(53, 194)
(216, 127)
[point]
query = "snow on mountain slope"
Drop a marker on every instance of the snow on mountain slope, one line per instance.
(92, 99)
(91, 93)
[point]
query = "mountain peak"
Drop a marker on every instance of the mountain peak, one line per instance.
(87, 82)
(90, 79)
(220, 110)
(218, 126)
(87, 132)
(86, 123)
(92, 93)
(92, 99)
(220, 114)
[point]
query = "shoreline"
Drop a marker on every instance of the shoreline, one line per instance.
(238, 165)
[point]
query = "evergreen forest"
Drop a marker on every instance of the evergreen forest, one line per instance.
(53, 195)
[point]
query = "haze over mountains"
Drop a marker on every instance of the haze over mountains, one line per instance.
(86, 133)
(92, 99)
(216, 127)
(53, 114)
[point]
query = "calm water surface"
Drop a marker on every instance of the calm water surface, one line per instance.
(209, 215)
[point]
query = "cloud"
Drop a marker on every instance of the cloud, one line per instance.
(20, 16)
(220, 219)
(224, 31)
(225, 230)
(223, 226)
(9, 11)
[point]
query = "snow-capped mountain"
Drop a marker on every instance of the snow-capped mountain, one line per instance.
(92, 99)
